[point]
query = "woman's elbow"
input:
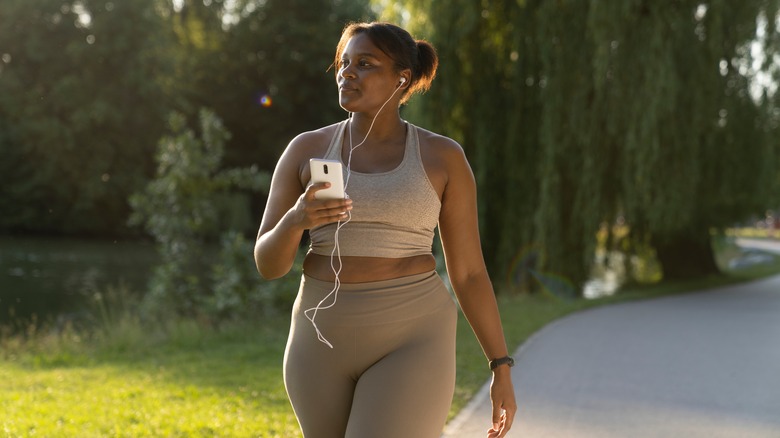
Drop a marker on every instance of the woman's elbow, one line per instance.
(269, 274)
(271, 266)
(269, 271)
(272, 270)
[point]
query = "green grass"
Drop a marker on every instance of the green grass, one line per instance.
(753, 233)
(187, 382)
(130, 379)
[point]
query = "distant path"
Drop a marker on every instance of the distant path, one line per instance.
(766, 245)
(703, 365)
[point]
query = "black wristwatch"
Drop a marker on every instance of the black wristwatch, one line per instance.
(501, 361)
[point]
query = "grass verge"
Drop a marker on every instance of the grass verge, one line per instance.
(181, 379)
(185, 382)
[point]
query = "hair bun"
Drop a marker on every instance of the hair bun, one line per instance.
(428, 63)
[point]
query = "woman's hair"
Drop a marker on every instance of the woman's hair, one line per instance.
(419, 56)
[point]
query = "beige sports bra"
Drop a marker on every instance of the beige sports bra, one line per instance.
(394, 213)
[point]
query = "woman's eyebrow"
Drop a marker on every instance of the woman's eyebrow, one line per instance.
(364, 55)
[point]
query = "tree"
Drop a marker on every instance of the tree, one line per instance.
(575, 113)
(695, 152)
(486, 96)
(86, 86)
(262, 66)
(83, 99)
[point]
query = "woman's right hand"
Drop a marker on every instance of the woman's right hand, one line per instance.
(310, 212)
(291, 207)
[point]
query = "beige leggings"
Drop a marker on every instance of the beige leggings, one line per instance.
(391, 372)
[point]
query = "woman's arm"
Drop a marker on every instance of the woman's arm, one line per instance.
(291, 209)
(459, 230)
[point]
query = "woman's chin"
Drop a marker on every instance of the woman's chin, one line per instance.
(348, 105)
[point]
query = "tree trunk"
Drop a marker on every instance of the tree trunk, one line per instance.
(686, 256)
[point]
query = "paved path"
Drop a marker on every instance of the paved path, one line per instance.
(762, 244)
(704, 364)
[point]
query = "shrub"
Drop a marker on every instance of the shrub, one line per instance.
(181, 208)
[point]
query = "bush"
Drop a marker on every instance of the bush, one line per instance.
(181, 208)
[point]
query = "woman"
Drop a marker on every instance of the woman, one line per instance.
(371, 351)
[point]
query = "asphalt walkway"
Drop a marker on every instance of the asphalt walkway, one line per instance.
(704, 364)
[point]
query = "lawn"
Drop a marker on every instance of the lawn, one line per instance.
(188, 382)
(184, 379)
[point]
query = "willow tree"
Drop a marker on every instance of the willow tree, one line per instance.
(487, 97)
(695, 149)
(574, 113)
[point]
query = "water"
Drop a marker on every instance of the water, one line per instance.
(609, 273)
(49, 277)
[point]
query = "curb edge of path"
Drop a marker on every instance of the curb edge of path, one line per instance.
(478, 399)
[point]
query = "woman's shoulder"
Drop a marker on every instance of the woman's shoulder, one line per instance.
(314, 142)
(306, 145)
(439, 145)
(442, 157)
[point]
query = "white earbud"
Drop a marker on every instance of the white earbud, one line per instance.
(403, 81)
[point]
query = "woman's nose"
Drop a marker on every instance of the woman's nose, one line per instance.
(347, 73)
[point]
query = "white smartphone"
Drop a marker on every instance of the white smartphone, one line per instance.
(327, 171)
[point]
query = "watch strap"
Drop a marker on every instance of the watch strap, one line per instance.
(506, 360)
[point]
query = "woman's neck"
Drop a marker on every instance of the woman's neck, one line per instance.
(386, 126)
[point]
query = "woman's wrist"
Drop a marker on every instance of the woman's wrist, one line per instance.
(502, 373)
(505, 361)
(290, 223)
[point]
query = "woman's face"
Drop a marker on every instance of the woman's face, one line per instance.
(366, 76)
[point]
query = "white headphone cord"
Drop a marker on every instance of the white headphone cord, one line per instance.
(336, 249)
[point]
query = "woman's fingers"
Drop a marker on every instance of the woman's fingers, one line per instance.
(500, 428)
(331, 214)
(314, 188)
(320, 211)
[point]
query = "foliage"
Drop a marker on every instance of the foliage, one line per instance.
(181, 209)
(86, 86)
(578, 114)
(262, 66)
(692, 125)
(237, 291)
(573, 114)
(82, 102)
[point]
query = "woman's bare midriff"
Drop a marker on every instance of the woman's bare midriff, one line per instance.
(367, 269)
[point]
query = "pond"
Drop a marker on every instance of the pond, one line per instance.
(59, 277)
(50, 277)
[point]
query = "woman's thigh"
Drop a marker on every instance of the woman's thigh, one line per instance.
(408, 393)
(319, 387)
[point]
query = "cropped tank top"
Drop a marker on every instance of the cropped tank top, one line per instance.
(394, 213)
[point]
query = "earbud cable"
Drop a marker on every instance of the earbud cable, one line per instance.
(335, 254)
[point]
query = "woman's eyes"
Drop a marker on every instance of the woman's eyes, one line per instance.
(361, 63)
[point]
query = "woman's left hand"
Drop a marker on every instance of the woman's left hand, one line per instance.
(502, 396)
